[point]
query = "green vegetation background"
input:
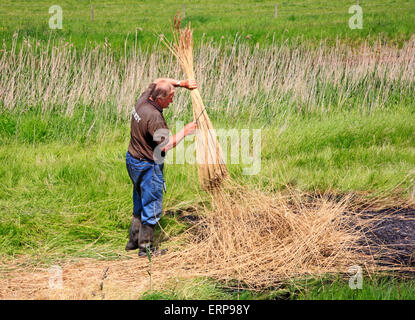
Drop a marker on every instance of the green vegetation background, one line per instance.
(115, 20)
(64, 189)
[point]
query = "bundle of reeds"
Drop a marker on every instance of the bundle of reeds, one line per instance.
(211, 166)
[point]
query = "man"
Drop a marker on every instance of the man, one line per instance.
(149, 142)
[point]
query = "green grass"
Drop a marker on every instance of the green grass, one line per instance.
(65, 191)
(375, 288)
(343, 152)
(117, 20)
(65, 196)
(329, 287)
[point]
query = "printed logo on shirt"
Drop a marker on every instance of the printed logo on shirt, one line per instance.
(136, 116)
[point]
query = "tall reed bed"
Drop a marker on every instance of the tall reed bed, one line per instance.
(234, 77)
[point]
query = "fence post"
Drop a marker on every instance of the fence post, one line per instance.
(92, 13)
(184, 11)
(276, 10)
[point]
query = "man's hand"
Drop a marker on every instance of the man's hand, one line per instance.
(189, 84)
(190, 128)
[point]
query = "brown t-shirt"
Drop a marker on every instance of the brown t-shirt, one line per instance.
(148, 129)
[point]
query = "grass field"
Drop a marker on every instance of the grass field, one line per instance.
(311, 19)
(379, 288)
(334, 117)
(62, 190)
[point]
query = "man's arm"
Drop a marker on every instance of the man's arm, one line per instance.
(174, 140)
(188, 83)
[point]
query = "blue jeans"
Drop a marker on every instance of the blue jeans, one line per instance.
(147, 178)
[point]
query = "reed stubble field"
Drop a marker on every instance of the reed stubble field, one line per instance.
(337, 137)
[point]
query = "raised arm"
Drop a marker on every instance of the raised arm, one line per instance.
(188, 83)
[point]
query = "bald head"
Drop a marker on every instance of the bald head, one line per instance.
(161, 90)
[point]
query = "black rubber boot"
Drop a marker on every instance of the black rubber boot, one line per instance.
(146, 236)
(134, 234)
(145, 241)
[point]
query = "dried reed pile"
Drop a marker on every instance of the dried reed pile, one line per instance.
(249, 238)
(211, 166)
(262, 238)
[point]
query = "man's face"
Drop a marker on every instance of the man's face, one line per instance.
(164, 103)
